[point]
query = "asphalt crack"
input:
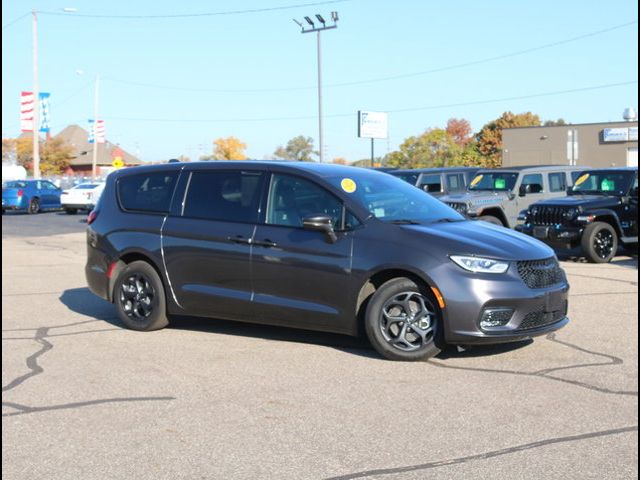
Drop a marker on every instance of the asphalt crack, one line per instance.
(485, 455)
(545, 373)
(41, 335)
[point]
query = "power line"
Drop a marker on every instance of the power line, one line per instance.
(204, 14)
(6, 25)
(400, 110)
(387, 78)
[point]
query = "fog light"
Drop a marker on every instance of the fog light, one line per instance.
(495, 317)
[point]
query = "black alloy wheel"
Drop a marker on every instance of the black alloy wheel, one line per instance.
(599, 242)
(139, 297)
(402, 321)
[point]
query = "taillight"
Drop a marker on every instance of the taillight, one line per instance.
(93, 214)
(20, 192)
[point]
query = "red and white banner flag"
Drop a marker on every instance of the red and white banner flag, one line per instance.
(27, 106)
(100, 131)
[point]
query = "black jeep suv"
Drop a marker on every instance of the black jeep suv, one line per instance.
(600, 211)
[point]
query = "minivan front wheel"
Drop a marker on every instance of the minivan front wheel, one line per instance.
(402, 321)
(139, 297)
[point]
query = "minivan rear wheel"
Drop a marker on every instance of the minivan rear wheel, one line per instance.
(402, 321)
(139, 297)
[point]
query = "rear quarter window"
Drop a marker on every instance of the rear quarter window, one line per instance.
(147, 192)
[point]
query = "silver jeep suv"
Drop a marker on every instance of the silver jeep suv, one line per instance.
(498, 195)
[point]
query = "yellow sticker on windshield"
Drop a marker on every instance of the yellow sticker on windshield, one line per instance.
(348, 185)
(582, 179)
(476, 180)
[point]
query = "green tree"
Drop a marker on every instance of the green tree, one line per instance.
(555, 123)
(299, 148)
(434, 148)
(490, 137)
(229, 148)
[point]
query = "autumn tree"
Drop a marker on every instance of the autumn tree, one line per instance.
(490, 137)
(55, 154)
(299, 148)
(339, 161)
(229, 148)
(460, 131)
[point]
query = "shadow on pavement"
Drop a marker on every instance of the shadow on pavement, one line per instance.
(482, 350)
(84, 302)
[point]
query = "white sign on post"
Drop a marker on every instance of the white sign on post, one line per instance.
(373, 124)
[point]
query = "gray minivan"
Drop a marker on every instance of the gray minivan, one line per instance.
(318, 247)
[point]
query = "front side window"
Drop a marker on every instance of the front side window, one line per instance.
(533, 183)
(431, 183)
(147, 192)
(557, 182)
(291, 199)
(228, 196)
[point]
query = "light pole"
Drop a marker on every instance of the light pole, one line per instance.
(94, 162)
(313, 28)
(36, 100)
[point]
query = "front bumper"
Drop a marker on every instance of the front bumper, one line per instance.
(534, 311)
(555, 235)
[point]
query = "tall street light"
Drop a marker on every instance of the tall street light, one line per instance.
(36, 100)
(36, 93)
(313, 28)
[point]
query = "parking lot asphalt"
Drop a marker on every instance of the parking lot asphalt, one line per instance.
(83, 397)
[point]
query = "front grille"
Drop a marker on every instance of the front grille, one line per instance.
(539, 318)
(540, 273)
(458, 207)
(547, 215)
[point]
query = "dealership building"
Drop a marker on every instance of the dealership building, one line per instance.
(597, 145)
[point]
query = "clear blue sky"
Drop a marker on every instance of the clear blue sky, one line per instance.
(253, 75)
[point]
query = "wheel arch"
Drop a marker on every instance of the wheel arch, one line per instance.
(127, 258)
(377, 279)
(496, 212)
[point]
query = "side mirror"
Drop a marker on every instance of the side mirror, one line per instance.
(320, 223)
(522, 191)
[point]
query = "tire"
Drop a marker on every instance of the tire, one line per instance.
(139, 298)
(391, 334)
(71, 211)
(34, 206)
(491, 219)
(599, 242)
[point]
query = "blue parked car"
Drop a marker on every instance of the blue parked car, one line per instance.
(31, 196)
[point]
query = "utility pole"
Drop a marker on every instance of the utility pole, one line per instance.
(334, 18)
(36, 100)
(94, 163)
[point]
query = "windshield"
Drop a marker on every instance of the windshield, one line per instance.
(603, 183)
(494, 181)
(14, 185)
(408, 177)
(391, 200)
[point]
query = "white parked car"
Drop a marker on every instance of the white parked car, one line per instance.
(81, 197)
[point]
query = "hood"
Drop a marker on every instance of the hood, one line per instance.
(477, 198)
(481, 239)
(584, 201)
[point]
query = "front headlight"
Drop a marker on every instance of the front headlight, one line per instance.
(479, 264)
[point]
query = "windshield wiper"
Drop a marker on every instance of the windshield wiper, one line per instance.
(448, 220)
(404, 221)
